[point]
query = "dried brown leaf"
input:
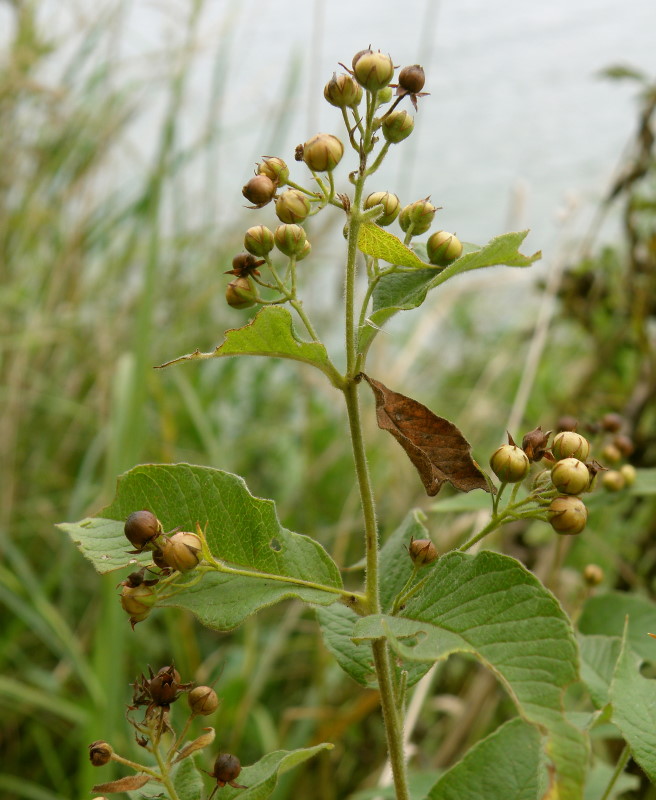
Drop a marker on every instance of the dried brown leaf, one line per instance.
(203, 740)
(127, 784)
(435, 446)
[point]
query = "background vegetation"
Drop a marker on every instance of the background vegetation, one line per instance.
(98, 286)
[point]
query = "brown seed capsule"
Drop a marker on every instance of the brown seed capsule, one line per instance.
(567, 514)
(422, 551)
(534, 443)
(567, 423)
(226, 770)
(141, 528)
(412, 79)
(259, 190)
(510, 463)
(100, 753)
(570, 476)
(240, 293)
(182, 552)
(138, 601)
(624, 444)
(612, 422)
(165, 687)
(245, 264)
(593, 575)
(203, 700)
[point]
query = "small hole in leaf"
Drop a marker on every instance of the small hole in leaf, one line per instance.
(104, 557)
(274, 544)
(133, 561)
(648, 670)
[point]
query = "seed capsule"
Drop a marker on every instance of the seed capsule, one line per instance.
(372, 70)
(275, 169)
(510, 463)
(259, 190)
(137, 601)
(165, 687)
(570, 476)
(593, 575)
(240, 293)
(226, 770)
(258, 240)
(412, 79)
(612, 422)
(397, 126)
(422, 551)
(323, 152)
(141, 528)
(100, 753)
(569, 444)
(629, 474)
(419, 215)
(342, 91)
(390, 202)
(203, 700)
(534, 443)
(290, 239)
(292, 206)
(182, 552)
(613, 480)
(567, 515)
(443, 248)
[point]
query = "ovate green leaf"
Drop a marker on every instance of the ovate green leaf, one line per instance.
(634, 707)
(404, 291)
(261, 778)
(187, 780)
(491, 606)
(504, 766)
(270, 333)
(242, 530)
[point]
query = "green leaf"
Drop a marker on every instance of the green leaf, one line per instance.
(338, 621)
(261, 778)
(504, 766)
(462, 503)
(491, 606)
(187, 780)
(634, 709)
(270, 333)
(599, 656)
(241, 530)
(405, 291)
(377, 242)
(605, 614)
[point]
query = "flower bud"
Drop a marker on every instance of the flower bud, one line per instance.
(422, 551)
(390, 202)
(384, 96)
(259, 190)
(569, 444)
(443, 248)
(323, 152)
(226, 770)
(412, 79)
(258, 240)
(570, 476)
(137, 601)
(567, 514)
(290, 239)
(275, 169)
(100, 753)
(182, 552)
(419, 215)
(397, 126)
(593, 574)
(342, 91)
(203, 700)
(141, 528)
(372, 70)
(240, 293)
(292, 206)
(613, 480)
(305, 251)
(510, 463)
(629, 474)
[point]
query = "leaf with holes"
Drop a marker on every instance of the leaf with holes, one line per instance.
(270, 333)
(241, 530)
(435, 446)
(407, 290)
(490, 605)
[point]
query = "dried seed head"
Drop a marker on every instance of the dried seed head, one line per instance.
(510, 463)
(165, 687)
(569, 444)
(411, 79)
(100, 753)
(390, 202)
(567, 514)
(534, 443)
(226, 770)
(570, 476)
(141, 528)
(259, 190)
(443, 248)
(422, 551)
(203, 700)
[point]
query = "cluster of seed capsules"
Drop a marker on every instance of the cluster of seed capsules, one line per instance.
(175, 551)
(157, 693)
(571, 474)
(371, 72)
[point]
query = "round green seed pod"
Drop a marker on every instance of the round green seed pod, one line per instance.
(570, 476)
(569, 444)
(510, 463)
(567, 515)
(443, 248)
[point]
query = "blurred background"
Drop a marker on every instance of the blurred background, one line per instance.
(127, 130)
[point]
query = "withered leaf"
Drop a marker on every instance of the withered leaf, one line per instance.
(127, 784)
(202, 741)
(435, 446)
